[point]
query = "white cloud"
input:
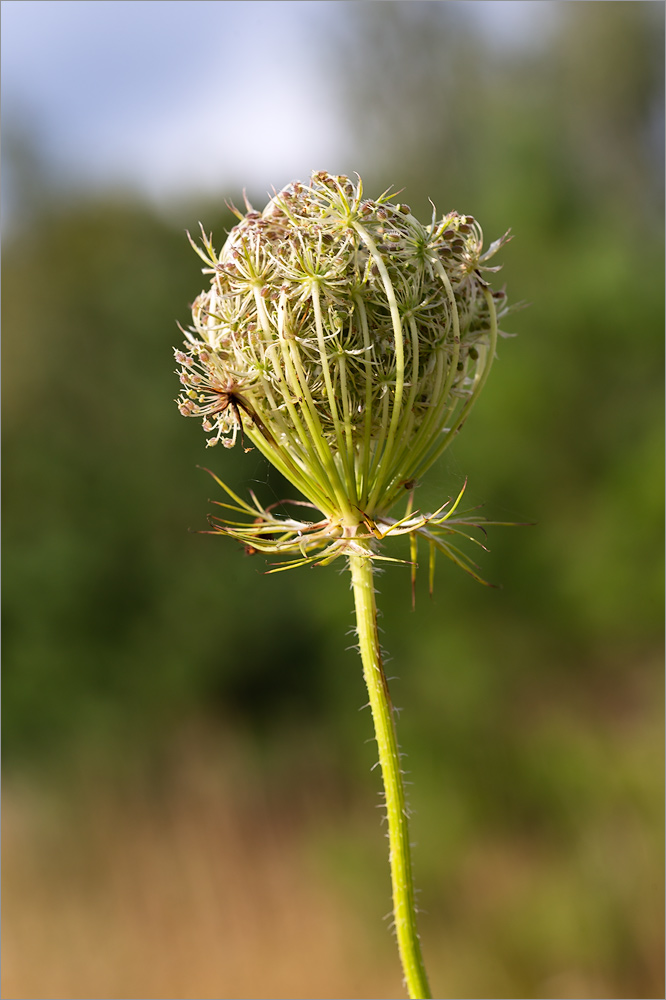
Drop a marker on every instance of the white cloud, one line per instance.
(171, 97)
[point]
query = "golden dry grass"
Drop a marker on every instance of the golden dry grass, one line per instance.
(211, 877)
(200, 891)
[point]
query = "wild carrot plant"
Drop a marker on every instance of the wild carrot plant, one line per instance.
(347, 342)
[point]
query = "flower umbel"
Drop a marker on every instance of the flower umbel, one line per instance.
(347, 342)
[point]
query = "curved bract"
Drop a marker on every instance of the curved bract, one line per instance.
(345, 339)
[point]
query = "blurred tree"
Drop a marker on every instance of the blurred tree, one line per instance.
(430, 102)
(610, 83)
(27, 188)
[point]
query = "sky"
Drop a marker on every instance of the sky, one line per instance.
(165, 95)
(177, 97)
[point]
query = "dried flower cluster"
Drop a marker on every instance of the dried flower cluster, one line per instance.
(345, 339)
(342, 318)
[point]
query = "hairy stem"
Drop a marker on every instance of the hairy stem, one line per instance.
(404, 907)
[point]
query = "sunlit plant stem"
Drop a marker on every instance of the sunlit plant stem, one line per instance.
(404, 906)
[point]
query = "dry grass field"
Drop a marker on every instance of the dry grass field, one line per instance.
(198, 890)
(210, 878)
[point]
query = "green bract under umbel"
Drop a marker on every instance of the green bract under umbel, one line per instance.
(345, 339)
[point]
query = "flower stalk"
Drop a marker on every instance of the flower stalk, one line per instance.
(402, 882)
(347, 342)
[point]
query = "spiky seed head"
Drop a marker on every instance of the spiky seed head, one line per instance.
(344, 338)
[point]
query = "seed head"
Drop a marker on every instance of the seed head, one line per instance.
(345, 339)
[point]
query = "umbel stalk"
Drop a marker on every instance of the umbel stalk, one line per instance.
(404, 903)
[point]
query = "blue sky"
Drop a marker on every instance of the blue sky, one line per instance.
(197, 96)
(166, 96)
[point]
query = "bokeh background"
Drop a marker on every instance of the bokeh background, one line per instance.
(189, 805)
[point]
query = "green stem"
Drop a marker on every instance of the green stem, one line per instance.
(404, 907)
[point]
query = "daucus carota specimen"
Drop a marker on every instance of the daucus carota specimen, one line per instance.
(347, 342)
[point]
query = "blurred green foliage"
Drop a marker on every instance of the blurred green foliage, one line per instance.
(114, 615)
(120, 626)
